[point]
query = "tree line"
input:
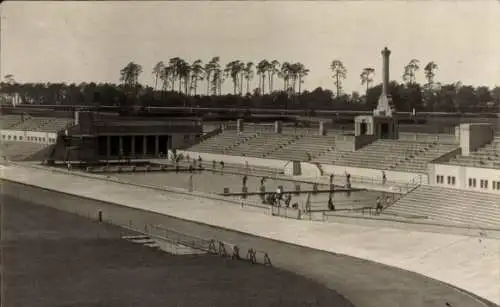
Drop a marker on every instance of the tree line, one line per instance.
(266, 84)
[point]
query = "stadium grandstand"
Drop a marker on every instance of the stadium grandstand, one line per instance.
(451, 177)
(376, 169)
(375, 148)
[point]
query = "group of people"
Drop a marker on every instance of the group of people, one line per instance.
(277, 199)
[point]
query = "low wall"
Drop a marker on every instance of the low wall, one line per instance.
(447, 138)
(361, 141)
(208, 157)
(210, 134)
(309, 169)
(474, 136)
(447, 156)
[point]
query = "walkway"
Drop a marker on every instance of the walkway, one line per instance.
(470, 263)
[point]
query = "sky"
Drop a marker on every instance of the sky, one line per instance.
(91, 41)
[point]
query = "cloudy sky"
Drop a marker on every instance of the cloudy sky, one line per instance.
(91, 41)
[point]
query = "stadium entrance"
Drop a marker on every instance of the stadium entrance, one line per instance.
(384, 131)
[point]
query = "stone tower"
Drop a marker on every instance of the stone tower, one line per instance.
(385, 106)
(383, 124)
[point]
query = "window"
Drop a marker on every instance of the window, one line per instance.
(3, 137)
(496, 185)
(439, 179)
(472, 182)
(453, 180)
(483, 184)
(20, 138)
(15, 138)
(9, 137)
(448, 179)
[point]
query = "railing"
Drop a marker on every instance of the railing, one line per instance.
(212, 246)
(241, 202)
(411, 186)
(340, 179)
(234, 168)
(286, 212)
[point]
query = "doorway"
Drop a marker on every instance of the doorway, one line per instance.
(384, 130)
(363, 128)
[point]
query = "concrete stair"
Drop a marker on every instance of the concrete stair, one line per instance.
(447, 205)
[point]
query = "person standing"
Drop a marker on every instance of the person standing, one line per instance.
(262, 192)
(278, 196)
(190, 183)
(288, 199)
(308, 203)
(378, 209)
(348, 180)
(331, 206)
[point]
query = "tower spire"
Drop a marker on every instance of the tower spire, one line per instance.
(385, 106)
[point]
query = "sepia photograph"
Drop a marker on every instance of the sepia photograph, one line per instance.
(250, 153)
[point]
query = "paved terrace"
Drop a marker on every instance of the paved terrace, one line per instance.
(470, 263)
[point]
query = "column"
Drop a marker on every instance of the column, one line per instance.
(157, 145)
(239, 125)
(322, 128)
(132, 142)
(120, 145)
(385, 71)
(277, 126)
(108, 146)
(144, 146)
